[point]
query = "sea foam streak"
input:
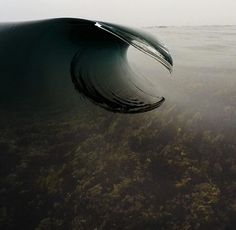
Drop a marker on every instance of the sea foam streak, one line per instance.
(41, 59)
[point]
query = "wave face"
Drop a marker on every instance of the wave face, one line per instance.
(50, 60)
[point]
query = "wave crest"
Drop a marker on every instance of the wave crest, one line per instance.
(100, 71)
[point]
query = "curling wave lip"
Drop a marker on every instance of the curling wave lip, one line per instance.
(55, 62)
(141, 41)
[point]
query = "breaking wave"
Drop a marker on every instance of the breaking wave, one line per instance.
(41, 59)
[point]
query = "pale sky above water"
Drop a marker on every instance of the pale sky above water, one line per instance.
(129, 12)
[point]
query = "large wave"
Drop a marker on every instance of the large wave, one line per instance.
(39, 61)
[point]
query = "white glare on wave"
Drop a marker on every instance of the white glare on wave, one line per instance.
(150, 75)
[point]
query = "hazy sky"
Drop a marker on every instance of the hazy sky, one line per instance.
(130, 12)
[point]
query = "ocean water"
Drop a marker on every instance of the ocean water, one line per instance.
(70, 165)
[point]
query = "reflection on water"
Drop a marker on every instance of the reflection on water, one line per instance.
(64, 167)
